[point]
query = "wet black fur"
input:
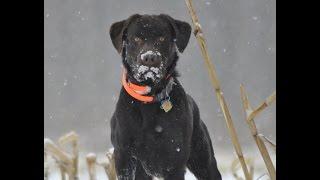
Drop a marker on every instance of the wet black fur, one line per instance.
(184, 142)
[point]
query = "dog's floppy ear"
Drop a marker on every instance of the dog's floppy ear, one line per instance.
(182, 31)
(117, 32)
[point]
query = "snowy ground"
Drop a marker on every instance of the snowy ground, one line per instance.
(224, 161)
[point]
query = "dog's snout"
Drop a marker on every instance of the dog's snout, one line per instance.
(150, 59)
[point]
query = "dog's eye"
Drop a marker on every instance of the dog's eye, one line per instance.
(161, 39)
(136, 39)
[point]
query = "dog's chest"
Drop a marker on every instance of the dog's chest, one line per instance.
(162, 138)
(159, 140)
(159, 128)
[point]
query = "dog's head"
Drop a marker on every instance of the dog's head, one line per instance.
(149, 44)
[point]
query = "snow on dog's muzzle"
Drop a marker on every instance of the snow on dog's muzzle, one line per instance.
(150, 58)
(145, 72)
(149, 66)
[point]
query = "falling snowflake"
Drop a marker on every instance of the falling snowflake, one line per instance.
(65, 83)
(53, 56)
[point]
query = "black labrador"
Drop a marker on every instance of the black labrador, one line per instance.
(156, 129)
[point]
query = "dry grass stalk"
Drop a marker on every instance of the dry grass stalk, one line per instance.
(235, 167)
(63, 159)
(62, 171)
(109, 166)
(68, 163)
(91, 163)
(216, 85)
(261, 146)
(262, 106)
(67, 138)
(72, 138)
(265, 139)
(57, 152)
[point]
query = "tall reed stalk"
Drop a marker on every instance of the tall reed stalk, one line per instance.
(250, 114)
(216, 86)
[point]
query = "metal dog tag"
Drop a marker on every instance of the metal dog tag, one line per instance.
(166, 105)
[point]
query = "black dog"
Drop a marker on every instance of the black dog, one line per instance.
(156, 129)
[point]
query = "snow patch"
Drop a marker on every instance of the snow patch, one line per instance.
(156, 178)
(47, 141)
(143, 69)
(150, 53)
(91, 156)
(149, 75)
(111, 150)
(155, 70)
(147, 72)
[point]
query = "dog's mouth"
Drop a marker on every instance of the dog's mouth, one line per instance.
(145, 74)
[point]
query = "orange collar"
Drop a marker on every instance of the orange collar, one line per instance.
(136, 91)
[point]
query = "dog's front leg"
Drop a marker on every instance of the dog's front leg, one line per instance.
(125, 165)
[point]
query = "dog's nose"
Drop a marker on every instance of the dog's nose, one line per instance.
(150, 59)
